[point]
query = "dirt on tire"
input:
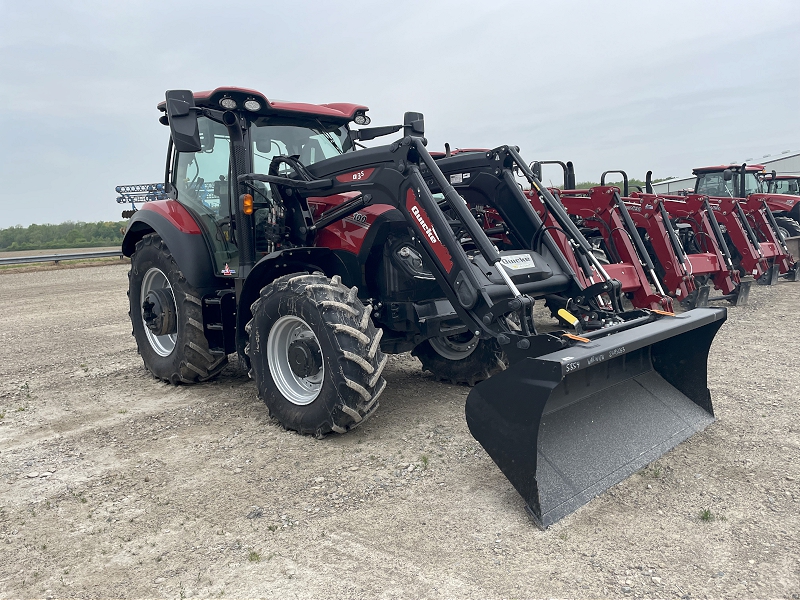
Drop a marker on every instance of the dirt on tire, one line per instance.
(113, 483)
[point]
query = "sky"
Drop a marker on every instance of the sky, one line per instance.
(658, 85)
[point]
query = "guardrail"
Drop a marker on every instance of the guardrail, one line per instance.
(56, 258)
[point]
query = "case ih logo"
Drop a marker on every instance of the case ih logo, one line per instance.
(430, 233)
(228, 271)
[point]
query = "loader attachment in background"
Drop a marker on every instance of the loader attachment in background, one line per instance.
(568, 425)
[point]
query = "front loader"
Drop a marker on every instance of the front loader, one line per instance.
(278, 240)
(599, 283)
(685, 256)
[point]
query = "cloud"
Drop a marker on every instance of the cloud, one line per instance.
(658, 85)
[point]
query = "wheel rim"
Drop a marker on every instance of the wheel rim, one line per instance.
(784, 231)
(295, 388)
(154, 279)
(455, 347)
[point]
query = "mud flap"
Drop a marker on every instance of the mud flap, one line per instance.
(566, 426)
(770, 276)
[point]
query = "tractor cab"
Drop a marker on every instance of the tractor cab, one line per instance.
(200, 177)
(729, 181)
(782, 183)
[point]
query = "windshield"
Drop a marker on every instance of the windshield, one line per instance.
(785, 186)
(310, 141)
(714, 184)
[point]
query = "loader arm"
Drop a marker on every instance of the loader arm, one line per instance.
(537, 222)
(392, 175)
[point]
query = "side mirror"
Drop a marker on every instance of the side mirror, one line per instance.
(414, 124)
(183, 121)
(727, 175)
(537, 170)
(372, 132)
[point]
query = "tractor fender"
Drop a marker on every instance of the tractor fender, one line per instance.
(282, 262)
(782, 204)
(182, 235)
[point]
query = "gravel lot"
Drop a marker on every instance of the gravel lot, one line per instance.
(114, 484)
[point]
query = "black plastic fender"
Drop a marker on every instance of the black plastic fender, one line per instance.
(279, 263)
(190, 250)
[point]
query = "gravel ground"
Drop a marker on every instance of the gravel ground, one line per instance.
(113, 484)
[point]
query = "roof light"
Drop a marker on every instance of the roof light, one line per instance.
(362, 119)
(252, 105)
(228, 103)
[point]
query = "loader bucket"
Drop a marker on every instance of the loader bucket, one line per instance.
(568, 425)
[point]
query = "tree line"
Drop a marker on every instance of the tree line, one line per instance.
(63, 235)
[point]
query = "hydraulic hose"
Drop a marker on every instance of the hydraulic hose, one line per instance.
(644, 256)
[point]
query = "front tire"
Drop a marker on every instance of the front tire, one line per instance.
(460, 359)
(788, 226)
(315, 354)
(178, 352)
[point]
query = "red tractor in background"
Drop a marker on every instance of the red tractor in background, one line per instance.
(781, 183)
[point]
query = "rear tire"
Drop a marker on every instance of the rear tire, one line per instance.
(315, 354)
(788, 226)
(183, 356)
(460, 359)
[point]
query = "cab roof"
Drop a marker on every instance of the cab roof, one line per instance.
(338, 111)
(780, 176)
(720, 168)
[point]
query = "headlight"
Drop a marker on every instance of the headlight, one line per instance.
(228, 103)
(362, 119)
(252, 105)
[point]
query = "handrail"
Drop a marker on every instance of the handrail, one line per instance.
(56, 258)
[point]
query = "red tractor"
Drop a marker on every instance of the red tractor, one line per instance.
(274, 237)
(752, 183)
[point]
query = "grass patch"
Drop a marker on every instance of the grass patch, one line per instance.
(652, 473)
(254, 556)
(706, 516)
(425, 460)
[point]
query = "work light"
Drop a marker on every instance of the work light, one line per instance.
(228, 103)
